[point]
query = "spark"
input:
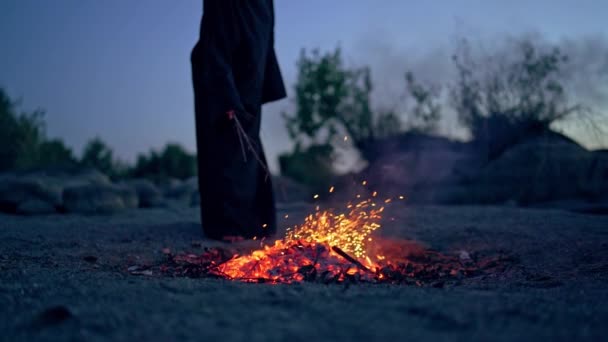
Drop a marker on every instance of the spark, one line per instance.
(350, 230)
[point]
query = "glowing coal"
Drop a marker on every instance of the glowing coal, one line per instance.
(331, 246)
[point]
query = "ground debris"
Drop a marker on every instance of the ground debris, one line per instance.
(140, 270)
(323, 264)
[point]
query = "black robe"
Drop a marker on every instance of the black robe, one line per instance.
(234, 68)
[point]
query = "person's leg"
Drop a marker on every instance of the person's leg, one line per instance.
(202, 129)
(265, 201)
(249, 204)
(235, 189)
(226, 190)
(228, 179)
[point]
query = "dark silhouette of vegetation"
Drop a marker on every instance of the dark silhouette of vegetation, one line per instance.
(174, 162)
(311, 166)
(54, 153)
(24, 146)
(425, 114)
(502, 101)
(23, 143)
(97, 154)
(501, 98)
(334, 101)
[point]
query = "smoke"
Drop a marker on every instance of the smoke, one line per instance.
(585, 74)
(588, 66)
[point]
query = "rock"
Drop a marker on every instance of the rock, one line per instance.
(93, 176)
(88, 176)
(597, 186)
(66, 178)
(184, 191)
(148, 194)
(35, 207)
(99, 198)
(129, 196)
(415, 165)
(167, 185)
(15, 191)
(534, 171)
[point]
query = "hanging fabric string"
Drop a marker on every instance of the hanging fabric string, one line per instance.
(245, 139)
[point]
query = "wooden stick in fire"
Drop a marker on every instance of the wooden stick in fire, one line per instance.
(350, 258)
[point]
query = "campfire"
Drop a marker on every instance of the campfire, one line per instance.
(333, 246)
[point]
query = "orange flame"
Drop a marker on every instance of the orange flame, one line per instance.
(310, 247)
(333, 247)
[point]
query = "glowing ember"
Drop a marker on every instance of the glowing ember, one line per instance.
(349, 230)
(318, 239)
(330, 247)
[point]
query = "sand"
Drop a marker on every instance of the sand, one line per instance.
(74, 268)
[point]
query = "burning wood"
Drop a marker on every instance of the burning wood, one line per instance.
(330, 248)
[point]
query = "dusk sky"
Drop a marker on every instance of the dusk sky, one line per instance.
(119, 69)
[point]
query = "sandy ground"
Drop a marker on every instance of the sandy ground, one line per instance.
(65, 278)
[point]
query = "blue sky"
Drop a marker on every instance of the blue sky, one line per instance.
(119, 69)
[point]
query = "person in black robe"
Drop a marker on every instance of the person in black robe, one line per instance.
(234, 72)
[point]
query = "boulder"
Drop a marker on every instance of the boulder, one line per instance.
(148, 194)
(597, 185)
(66, 178)
(99, 198)
(534, 171)
(129, 196)
(183, 191)
(16, 191)
(167, 185)
(417, 166)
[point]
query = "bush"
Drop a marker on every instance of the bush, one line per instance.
(333, 100)
(23, 143)
(174, 162)
(311, 167)
(98, 155)
(54, 153)
(506, 97)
